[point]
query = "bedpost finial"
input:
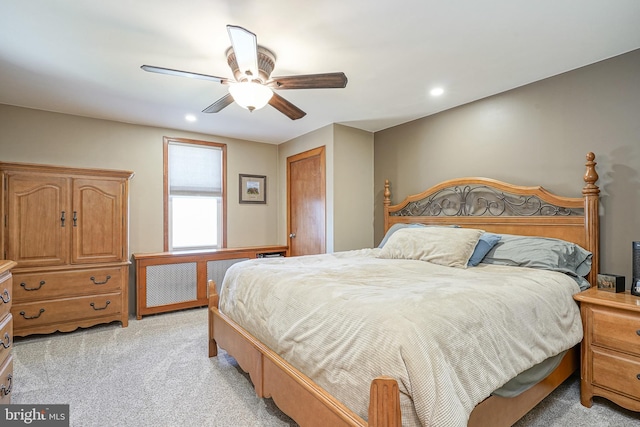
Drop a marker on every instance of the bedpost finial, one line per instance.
(590, 175)
(387, 193)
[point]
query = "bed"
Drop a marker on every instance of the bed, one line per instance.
(307, 345)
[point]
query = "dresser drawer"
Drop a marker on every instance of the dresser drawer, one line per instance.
(6, 294)
(616, 371)
(51, 285)
(6, 337)
(616, 329)
(6, 381)
(34, 314)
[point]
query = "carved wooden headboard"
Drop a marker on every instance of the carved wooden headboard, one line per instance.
(499, 207)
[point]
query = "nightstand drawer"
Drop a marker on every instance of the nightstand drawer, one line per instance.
(616, 329)
(6, 381)
(6, 337)
(616, 371)
(6, 296)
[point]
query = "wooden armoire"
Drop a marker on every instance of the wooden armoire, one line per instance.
(67, 230)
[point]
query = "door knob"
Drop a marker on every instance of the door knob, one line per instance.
(292, 235)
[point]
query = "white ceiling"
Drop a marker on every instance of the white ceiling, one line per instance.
(83, 57)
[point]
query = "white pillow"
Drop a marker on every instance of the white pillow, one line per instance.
(440, 245)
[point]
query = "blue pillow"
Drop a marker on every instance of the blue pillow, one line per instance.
(544, 253)
(485, 244)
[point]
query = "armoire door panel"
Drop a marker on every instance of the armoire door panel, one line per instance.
(38, 220)
(97, 222)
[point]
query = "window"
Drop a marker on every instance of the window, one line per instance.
(194, 195)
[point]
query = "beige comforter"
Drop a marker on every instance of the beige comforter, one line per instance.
(450, 336)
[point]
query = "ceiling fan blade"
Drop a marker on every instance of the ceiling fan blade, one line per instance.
(245, 47)
(219, 104)
(310, 81)
(286, 108)
(169, 71)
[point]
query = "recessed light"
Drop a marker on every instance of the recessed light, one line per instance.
(436, 91)
(190, 118)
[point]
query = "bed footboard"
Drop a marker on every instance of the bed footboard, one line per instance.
(293, 392)
(310, 405)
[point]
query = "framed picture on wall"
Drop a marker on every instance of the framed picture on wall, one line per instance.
(253, 189)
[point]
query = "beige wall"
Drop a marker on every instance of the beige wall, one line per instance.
(318, 138)
(538, 134)
(42, 137)
(353, 188)
(349, 186)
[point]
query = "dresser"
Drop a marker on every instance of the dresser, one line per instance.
(6, 332)
(67, 230)
(610, 365)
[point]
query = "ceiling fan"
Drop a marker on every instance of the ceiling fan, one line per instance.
(252, 86)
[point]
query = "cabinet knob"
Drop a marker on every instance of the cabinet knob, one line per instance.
(93, 305)
(24, 315)
(24, 285)
(6, 390)
(6, 342)
(638, 332)
(638, 376)
(93, 279)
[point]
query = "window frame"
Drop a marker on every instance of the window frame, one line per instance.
(223, 147)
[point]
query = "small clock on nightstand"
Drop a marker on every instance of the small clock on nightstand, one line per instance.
(610, 365)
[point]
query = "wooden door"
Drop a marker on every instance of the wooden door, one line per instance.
(306, 202)
(98, 221)
(38, 219)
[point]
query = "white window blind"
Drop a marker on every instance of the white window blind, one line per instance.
(195, 169)
(195, 196)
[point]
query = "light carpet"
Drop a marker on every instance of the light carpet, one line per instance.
(156, 372)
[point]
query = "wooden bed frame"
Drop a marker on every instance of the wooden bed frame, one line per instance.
(469, 202)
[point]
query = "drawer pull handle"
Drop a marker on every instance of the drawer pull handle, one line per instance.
(96, 309)
(638, 376)
(8, 297)
(6, 343)
(93, 279)
(24, 285)
(5, 390)
(638, 332)
(22, 313)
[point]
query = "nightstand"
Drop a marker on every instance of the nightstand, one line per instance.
(610, 360)
(6, 331)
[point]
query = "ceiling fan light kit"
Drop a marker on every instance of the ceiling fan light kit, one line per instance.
(250, 95)
(253, 86)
